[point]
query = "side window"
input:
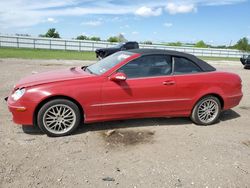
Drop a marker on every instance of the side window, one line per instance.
(135, 45)
(184, 66)
(148, 66)
(129, 46)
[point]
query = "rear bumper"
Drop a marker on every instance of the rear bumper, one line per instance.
(247, 65)
(232, 101)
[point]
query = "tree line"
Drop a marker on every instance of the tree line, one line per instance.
(52, 33)
(243, 44)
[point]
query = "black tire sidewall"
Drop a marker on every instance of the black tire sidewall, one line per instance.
(47, 105)
(194, 116)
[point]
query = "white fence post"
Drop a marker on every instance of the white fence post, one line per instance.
(17, 40)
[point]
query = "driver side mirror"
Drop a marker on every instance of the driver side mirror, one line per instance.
(117, 77)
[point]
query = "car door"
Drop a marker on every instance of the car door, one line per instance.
(190, 80)
(148, 91)
(248, 60)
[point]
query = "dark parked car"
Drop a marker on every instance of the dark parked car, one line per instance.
(245, 60)
(104, 52)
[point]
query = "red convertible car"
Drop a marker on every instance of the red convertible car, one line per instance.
(128, 84)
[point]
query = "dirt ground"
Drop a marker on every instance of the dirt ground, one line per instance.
(156, 152)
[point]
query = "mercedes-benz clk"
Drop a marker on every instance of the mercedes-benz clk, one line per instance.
(138, 83)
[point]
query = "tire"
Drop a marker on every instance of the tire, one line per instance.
(246, 67)
(59, 117)
(206, 111)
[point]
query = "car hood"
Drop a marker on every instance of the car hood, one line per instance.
(52, 76)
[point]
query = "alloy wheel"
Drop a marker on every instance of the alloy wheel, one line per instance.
(59, 119)
(208, 111)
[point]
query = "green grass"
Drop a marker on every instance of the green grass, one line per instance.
(25, 53)
(220, 58)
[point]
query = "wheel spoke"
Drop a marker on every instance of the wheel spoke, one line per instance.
(59, 118)
(208, 110)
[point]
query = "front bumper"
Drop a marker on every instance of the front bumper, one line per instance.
(22, 113)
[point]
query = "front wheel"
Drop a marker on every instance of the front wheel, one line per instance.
(59, 117)
(206, 111)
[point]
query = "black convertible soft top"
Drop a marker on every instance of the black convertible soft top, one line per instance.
(202, 64)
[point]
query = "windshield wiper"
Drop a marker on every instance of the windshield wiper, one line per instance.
(88, 70)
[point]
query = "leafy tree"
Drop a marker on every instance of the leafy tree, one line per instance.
(220, 46)
(121, 38)
(174, 44)
(148, 42)
(243, 44)
(51, 33)
(82, 37)
(113, 39)
(95, 38)
(201, 44)
(22, 35)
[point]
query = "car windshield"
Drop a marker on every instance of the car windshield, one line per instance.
(119, 45)
(107, 63)
(246, 56)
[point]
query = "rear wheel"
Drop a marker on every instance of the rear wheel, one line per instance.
(206, 111)
(59, 117)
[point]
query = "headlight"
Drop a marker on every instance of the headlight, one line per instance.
(18, 94)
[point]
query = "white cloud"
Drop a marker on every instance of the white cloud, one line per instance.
(116, 19)
(92, 23)
(173, 8)
(52, 20)
(135, 33)
(124, 26)
(27, 13)
(147, 11)
(222, 2)
(167, 24)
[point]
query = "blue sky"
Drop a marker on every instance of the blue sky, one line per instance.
(216, 22)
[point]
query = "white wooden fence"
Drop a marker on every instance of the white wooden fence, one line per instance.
(84, 45)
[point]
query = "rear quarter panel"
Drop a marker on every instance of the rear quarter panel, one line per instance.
(195, 86)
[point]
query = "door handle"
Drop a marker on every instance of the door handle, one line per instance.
(168, 83)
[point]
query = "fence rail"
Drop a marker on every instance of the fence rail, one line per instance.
(82, 45)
